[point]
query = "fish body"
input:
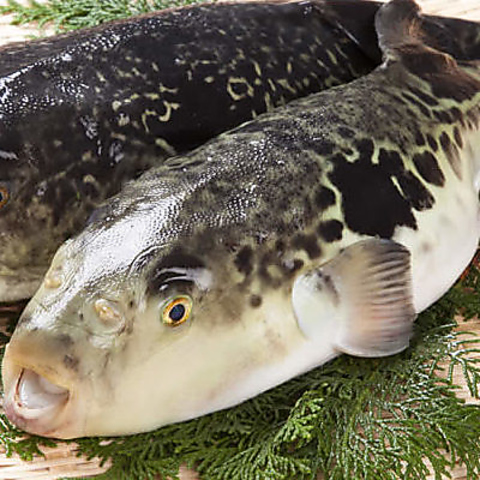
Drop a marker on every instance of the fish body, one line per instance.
(320, 228)
(83, 112)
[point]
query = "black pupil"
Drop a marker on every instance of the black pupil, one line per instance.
(177, 313)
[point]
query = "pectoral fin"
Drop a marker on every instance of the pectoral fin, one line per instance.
(364, 295)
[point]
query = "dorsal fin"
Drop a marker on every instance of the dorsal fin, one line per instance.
(399, 29)
(457, 37)
(397, 24)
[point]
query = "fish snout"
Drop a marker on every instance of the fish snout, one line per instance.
(39, 398)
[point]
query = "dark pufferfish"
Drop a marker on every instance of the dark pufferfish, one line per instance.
(322, 227)
(83, 112)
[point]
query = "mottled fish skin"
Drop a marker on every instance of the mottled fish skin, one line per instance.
(82, 113)
(232, 226)
(459, 38)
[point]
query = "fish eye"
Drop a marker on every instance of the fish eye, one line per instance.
(4, 195)
(177, 310)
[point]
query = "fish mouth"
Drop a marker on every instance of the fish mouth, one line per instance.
(35, 403)
(35, 395)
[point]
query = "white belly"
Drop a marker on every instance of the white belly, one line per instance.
(445, 242)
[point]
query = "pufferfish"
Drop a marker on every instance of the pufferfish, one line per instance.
(321, 228)
(82, 113)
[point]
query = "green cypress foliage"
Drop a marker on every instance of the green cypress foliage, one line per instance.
(73, 14)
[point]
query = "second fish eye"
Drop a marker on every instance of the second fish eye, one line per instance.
(4, 195)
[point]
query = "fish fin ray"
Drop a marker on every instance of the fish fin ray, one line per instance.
(362, 299)
(375, 280)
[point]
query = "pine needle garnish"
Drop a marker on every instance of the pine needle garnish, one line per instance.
(67, 15)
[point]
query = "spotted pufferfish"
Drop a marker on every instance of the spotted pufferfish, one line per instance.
(82, 113)
(321, 228)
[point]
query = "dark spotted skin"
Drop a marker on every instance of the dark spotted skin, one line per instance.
(83, 112)
(330, 230)
(280, 194)
(459, 38)
(238, 225)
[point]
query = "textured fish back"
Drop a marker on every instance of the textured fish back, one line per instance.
(81, 114)
(358, 160)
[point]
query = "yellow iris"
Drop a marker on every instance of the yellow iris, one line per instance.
(177, 311)
(4, 195)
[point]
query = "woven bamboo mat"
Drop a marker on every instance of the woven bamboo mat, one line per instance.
(62, 461)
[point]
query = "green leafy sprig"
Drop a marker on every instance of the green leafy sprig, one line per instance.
(67, 15)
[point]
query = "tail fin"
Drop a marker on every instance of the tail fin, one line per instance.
(397, 24)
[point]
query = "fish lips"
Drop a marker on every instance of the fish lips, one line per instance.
(35, 404)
